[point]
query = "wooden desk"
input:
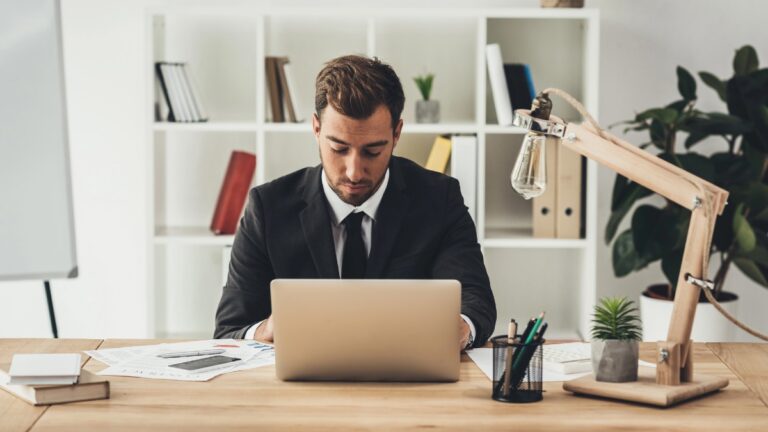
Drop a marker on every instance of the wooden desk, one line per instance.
(255, 399)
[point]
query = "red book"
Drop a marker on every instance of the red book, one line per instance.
(233, 193)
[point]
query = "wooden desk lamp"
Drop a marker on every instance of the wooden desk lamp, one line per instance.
(674, 380)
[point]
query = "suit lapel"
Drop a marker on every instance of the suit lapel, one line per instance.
(316, 225)
(389, 218)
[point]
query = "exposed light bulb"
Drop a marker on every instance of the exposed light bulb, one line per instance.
(529, 175)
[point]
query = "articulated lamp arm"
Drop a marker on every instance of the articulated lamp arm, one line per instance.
(705, 200)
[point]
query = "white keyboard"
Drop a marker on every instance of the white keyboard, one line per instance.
(568, 358)
(568, 352)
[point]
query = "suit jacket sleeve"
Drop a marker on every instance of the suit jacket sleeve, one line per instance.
(459, 257)
(245, 299)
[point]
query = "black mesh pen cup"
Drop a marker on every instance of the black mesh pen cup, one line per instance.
(524, 361)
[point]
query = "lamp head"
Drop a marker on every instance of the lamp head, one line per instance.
(539, 118)
(529, 175)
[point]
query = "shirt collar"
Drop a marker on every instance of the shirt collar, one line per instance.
(340, 209)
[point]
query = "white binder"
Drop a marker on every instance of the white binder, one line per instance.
(464, 169)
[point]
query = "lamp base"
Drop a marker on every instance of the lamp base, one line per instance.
(645, 390)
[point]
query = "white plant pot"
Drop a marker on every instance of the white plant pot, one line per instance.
(709, 325)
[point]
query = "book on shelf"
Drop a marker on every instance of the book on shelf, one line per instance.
(439, 155)
(498, 82)
(519, 85)
(282, 90)
(463, 169)
(233, 192)
(181, 95)
(273, 89)
(87, 387)
(287, 88)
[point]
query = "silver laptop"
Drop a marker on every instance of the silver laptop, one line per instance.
(366, 330)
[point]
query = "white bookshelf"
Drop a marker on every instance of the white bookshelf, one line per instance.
(225, 46)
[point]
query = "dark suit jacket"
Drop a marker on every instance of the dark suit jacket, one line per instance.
(422, 231)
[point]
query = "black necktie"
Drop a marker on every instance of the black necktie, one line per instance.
(355, 257)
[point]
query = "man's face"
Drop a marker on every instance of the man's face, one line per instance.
(355, 153)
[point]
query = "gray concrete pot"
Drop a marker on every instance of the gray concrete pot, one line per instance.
(615, 360)
(427, 111)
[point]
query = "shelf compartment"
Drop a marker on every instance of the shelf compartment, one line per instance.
(526, 282)
(206, 43)
(287, 35)
(561, 65)
(446, 47)
(188, 172)
(504, 208)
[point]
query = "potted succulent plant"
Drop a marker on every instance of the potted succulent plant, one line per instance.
(658, 233)
(427, 110)
(616, 333)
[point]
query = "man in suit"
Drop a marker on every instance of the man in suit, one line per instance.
(361, 213)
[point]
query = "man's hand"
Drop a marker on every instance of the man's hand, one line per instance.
(463, 333)
(265, 331)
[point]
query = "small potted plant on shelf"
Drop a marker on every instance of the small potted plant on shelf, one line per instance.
(427, 111)
(740, 165)
(616, 333)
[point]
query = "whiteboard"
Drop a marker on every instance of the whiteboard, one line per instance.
(37, 236)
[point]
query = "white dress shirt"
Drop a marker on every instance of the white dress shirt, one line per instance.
(339, 211)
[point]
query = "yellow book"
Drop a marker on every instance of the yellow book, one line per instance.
(439, 155)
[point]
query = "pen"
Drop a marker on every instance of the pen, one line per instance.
(511, 333)
(527, 330)
(191, 353)
(527, 340)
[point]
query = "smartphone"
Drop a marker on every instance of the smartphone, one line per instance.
(205, 364)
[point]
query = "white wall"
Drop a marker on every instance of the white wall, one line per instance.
(641, 44)
(103, 43)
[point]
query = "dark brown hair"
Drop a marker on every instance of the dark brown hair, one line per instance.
(355, 86)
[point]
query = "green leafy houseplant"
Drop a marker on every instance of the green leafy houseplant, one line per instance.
(616, 318)
(616, 332)
(424, 83)
(740, 237)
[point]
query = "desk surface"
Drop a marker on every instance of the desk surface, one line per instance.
(255, 398)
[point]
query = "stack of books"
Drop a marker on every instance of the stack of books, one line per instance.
(45, 379)
(181, 95)
(282, 91)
